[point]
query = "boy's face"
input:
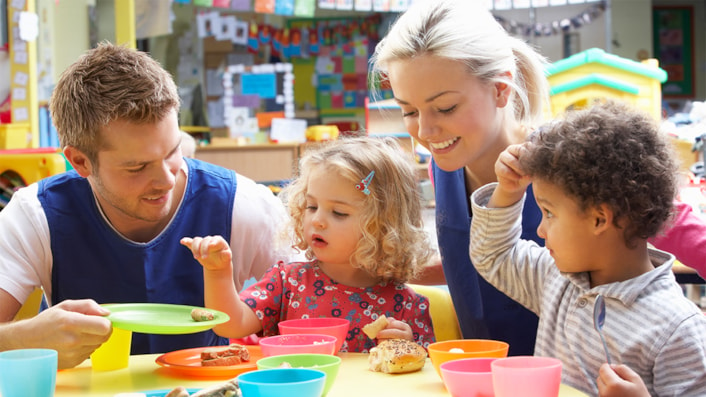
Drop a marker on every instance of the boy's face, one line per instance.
(567, 230)
(332, 217)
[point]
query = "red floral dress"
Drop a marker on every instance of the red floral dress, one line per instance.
(302, 290)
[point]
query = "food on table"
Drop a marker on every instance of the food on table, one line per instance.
(227, 389)
(199, 314)
(396, 356)
(233, 354)
(372, 329)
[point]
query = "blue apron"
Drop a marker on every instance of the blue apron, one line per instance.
(90, 260)
(483, 311)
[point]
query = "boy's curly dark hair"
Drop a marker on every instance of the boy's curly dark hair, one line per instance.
(609, 154)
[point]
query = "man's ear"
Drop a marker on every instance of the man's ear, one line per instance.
(602, 217)
(503, 90)
(79, 161)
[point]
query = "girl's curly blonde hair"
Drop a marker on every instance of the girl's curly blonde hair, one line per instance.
(394, 246)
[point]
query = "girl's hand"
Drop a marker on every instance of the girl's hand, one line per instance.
(212, 252)
(620, 380)
(396, 329)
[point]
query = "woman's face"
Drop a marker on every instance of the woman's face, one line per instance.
(449, 111)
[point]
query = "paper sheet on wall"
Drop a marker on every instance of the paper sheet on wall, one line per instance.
(262, 84)
(208, 23)
(19, 94)
(21, 78)
(20, 114)
(20, 58)
(18, 4)
(288, 130)
(214, 82)
(363, 5)
(29, 26)
(153, 18)
(215, 114)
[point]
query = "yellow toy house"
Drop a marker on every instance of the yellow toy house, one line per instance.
(593, 74)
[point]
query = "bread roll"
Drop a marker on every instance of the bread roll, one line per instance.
(372, 329)
(397, 356)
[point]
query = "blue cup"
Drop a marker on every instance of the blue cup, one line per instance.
(28, 372)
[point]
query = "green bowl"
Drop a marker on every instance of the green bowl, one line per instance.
(327, 363)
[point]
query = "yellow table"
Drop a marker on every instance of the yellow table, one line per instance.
(354, 379)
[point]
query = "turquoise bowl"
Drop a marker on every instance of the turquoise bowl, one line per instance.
(300, 382)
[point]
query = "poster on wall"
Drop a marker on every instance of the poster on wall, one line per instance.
(673, 46)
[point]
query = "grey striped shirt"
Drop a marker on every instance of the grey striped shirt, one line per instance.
(650, 325)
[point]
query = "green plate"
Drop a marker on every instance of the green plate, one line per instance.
(160, 318)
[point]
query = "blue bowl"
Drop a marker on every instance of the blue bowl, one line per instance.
(277, 382)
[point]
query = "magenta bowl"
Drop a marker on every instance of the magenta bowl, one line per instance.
(297, 344)
(334, 326)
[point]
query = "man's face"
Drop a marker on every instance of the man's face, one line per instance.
(137, 172)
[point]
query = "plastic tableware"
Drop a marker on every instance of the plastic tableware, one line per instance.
(298, 343)
(527, 376)
(28, 372)
(468, 377)
(323, 362)
(113, 353)
(187, 362)
(160, 318)
(441, 352)
(300, 382)
(333, 326)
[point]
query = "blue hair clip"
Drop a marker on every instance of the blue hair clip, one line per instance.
(363, 185)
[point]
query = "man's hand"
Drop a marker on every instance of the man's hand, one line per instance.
(74, 328)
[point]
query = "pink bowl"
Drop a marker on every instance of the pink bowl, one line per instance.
(468, 377)
(527, 376)
(333, 326)
(297, 344)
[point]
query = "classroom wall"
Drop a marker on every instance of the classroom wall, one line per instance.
(71, 27)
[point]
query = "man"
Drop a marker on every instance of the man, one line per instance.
(109, 230)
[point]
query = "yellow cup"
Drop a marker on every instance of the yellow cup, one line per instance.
(114, 353)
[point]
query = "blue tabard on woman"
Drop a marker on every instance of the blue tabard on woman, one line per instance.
(90, 260)
(483, 311)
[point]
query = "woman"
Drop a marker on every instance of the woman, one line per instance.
(467, 91)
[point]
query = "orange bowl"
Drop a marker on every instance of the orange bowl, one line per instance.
(441, 352)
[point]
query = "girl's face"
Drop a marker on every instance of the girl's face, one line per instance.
(449, 111)
(332, 217)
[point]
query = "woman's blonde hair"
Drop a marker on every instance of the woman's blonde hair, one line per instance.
(394, 244)
(465, 31)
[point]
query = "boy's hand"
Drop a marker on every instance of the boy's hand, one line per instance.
(620, 380)
(212, 252)
(512, 180)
